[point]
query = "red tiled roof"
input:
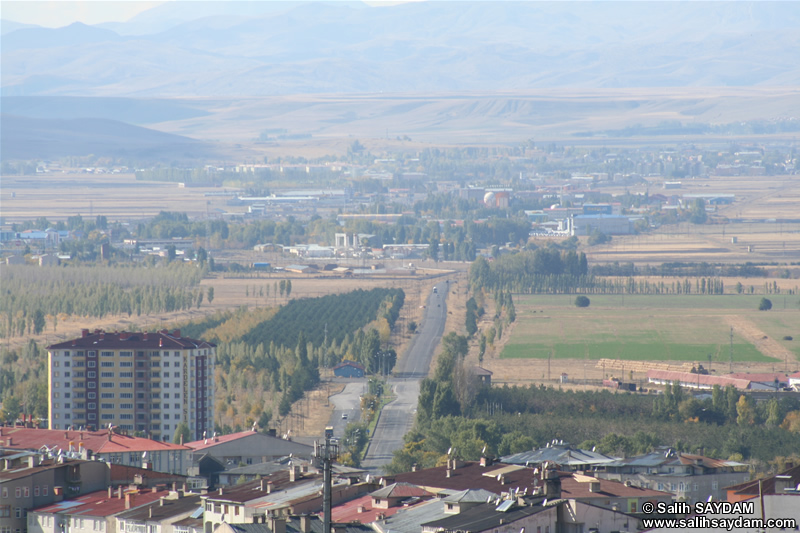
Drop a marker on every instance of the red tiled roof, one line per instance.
(751, 488)
(99, 504)
(97, 441)
(577, 486)
(135, 340)
(349, 512)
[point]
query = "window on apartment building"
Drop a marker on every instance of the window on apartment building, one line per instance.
(106, 374)
(26, 491)
(177, 406)
(107, 385)
(92, 374)
(92, 396)
(92, 405)
(92, 353)
(106, 354)
(107, 396)
(5, 510)
(56, 374)
(92, 364)
(126, 395)
(67, 406)
(714, 485)
(80, 406)
(107, 364)
(126, 417)
(44, 490)
(91, 385)
(126, 364)
(155, 374)
(106, 406)
(67, 395)
(139, 364)
(80, 363)
(126, 374)
(176, 354)
(91, 416)
(126, 354)
(80, 395)
(126, 406)
(66, 363)
(126, 386)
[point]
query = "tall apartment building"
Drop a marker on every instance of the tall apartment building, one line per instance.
(138, 381)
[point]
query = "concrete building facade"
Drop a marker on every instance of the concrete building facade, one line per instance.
(138, 381)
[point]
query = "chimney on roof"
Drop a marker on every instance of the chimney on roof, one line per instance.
(594, 486)
(74, 342)
(102, 335)
(176, 334)
(414, 467)
(130, 498)
(269, 487)
(160, 343)
(119, 492)
(9, 441)
(486, 461)
(294, 473)
(278, 524)
(84, 332)
(220, 491)
(181, 439)
(150, 511)
(305, 523)
(110, 490)
(782, 483)
(144, 336)
(123, 335)
(161, 501)
(448, 473)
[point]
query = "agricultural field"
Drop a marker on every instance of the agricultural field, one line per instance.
(551, 335)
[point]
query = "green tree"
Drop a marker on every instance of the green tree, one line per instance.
(765, 304)
(39, 321)
(182, 433)
(746, 414)
(210, 294)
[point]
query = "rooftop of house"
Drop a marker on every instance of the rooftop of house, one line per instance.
(669, 457)
(500, 478)
(487, 516)
(69, 440)
(559, 453)
(361, 510)
(102, 503)
(164, 508)
(120, 340)
(18, 466)
(260, 488)
(768, 485)
(216, 440)
(401, 490)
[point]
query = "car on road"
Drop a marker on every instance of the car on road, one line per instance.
(344, 416)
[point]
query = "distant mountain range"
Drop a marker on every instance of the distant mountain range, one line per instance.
(229, 71)
(31, 138)
(223, 49)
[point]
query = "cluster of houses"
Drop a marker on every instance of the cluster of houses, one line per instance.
(81, 482)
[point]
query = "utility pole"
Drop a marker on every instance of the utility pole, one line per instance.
(325, 455)
(731, 352)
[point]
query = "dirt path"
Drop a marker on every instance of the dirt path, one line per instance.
(758, 338)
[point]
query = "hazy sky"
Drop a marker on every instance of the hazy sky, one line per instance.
(55, 14)
(58, 13)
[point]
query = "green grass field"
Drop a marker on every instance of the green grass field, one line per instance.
(642, 328)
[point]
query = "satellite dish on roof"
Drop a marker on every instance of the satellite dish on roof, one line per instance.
(484, 449)
(594, 448)
(544, 502)
(449, 450)
(710, 497)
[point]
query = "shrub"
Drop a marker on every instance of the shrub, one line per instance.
(787, 337)
(582, 301)
(765, 304)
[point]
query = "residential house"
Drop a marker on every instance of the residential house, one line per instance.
(160, 515)
(29, 480)
(107, 445)
(91, 513)
(691, 478)
(247, 448)
(562, 454)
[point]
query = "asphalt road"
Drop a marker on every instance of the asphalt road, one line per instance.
(397, 418)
